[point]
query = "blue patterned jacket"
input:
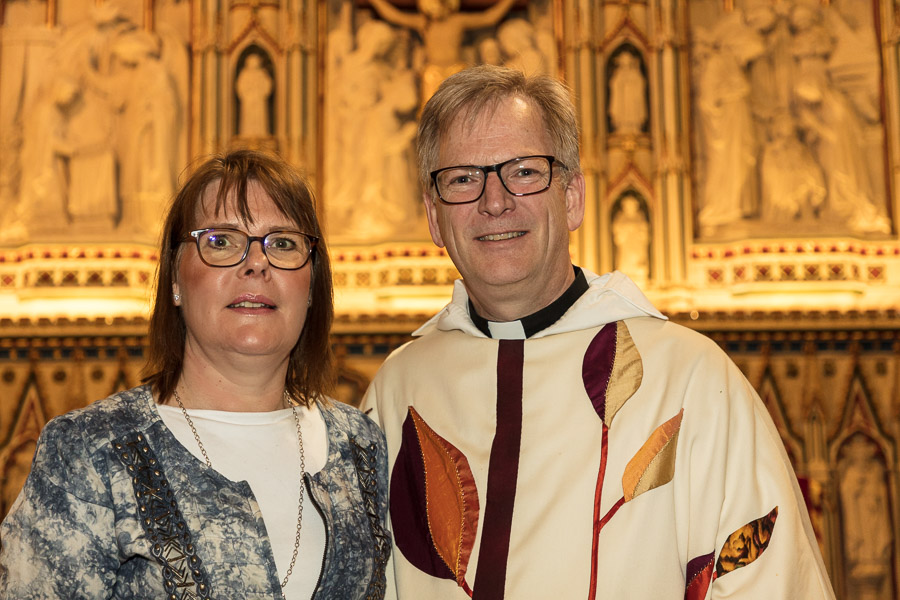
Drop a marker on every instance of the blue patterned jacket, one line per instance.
(115, 507)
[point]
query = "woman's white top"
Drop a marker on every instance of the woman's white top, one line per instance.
(261, 448)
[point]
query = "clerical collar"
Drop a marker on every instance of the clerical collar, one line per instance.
(528, 326)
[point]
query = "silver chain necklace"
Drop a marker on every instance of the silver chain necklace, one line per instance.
(287, 398)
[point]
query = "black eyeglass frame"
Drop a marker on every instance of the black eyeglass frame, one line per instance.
(487, 169)
(196, 233)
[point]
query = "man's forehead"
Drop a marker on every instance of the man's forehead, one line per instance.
(484, 112)
(509, 126)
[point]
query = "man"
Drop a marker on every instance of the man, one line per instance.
(550, 434)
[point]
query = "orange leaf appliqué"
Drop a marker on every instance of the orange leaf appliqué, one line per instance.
(654, 464)
(451, 498)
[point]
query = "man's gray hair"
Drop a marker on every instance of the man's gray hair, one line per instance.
(473, 91)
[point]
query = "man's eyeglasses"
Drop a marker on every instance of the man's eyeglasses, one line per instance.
(522, 176)
(289, 250)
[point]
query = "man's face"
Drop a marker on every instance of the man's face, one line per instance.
(511, 251)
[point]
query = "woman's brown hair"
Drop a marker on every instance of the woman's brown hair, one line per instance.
(310, 374)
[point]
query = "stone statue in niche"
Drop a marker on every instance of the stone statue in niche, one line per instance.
(518, 41)
(627, 95)
(441, 26)
(254, 87)
(370, 186)
(868, 537)
(631, 240)
(801, 149)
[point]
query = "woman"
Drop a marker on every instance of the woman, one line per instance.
(229, 474)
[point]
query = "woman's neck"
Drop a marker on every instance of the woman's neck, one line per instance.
(248, 385)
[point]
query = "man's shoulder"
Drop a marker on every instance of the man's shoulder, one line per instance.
(430, 340)
(650, 330)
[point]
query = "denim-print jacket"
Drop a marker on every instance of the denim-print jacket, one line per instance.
(116, 507)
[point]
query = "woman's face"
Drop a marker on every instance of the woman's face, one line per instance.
(250, 309)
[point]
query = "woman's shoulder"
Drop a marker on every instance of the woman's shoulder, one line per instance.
(352, 420)
(104, 419)
(71, 448)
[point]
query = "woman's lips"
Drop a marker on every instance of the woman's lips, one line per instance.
(252, 301)
(246, 304)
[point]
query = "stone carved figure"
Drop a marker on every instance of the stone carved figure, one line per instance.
(369, 184)
(147, 133)
(489, 52)
(26, 13)
(43, 188)
(340, 48)
(834, 124)
(441, 26)
(388, 192)
(627, 95)
(792, 181)
(32, 170)
(771, 74)
(254, 87)
(102, 148)
(867, 520)
(27, 49)
(518, 41)
(173, 28)
(792, 130)
(88, 149)
(728, 130)
(545, 39)
(631, 240)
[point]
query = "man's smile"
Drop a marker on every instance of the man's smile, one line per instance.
(496, 237)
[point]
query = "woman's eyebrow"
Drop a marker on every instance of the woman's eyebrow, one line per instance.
(286, 226)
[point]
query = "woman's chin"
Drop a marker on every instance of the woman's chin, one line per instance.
(262, 348)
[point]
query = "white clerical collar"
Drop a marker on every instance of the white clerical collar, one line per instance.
(508, 330)
(526, 327)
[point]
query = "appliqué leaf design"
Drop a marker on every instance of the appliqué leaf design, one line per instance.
(612, 370)
(654, 464)
(698, 576)
(434, 502)
(746, 544)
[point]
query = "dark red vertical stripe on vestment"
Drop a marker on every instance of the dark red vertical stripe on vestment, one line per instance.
(503, 470)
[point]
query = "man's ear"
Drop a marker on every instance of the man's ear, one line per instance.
(575, 201)
(431, 212)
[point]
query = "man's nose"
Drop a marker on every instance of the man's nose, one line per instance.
(496, 199)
